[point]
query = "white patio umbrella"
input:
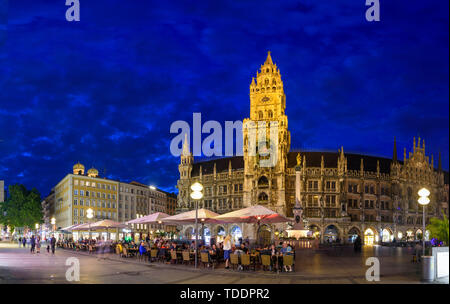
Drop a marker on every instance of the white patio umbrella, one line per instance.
(203, 215)
(149, 219)
(84, 226)
(103, 224)
(254, 214)
(69, 228)
(154, 218)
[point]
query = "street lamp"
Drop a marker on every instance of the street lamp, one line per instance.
(424, 201)
(196, 195)
(89, 215)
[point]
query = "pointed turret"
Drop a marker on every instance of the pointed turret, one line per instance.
(394, 153)
(378, 168)
(186, 150)
(361, 166)
(404, 155)
(268, 59)
(432, 161)
(414, 144)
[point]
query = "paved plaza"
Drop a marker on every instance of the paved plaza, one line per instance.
(18, 265)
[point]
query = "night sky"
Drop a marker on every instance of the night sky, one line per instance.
(104, 91)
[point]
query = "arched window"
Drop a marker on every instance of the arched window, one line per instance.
(270, 114)
(260, 115)
(263, 181)
(263, 197)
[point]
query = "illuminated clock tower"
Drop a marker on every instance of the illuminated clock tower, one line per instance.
(265, 184)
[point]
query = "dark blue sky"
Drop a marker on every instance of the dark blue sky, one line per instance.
(104, 91)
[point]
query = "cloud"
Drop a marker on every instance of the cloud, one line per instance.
(105, 90)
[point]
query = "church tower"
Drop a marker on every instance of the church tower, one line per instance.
(265, 164)
(185, 168)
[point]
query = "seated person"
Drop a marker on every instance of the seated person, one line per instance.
(244, 248)
(213, 252)
(274, 258)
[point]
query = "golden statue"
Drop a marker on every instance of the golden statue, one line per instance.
(299, 160)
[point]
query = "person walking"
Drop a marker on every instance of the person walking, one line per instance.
(24, 241)
(357, 244)
(38, 244)
(32, 243)
(53, 243)
(227, 250)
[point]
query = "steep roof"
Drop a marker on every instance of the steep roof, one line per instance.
(313, 159)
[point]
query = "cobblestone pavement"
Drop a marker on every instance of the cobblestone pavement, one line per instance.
(18, 265)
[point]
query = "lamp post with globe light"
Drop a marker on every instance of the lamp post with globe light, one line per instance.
(196, 195)
(424, 201)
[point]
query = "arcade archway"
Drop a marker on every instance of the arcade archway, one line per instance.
(264, 235)
(387, 235)
(236, 234)
(352, 234)
(369, 237)
(331, 234)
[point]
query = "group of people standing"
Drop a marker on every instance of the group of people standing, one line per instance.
(35, 244)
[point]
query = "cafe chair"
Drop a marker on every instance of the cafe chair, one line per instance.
(245, 262)
(288, 260)
(234, 259)
(125, 253)
(173, 257)
(204, 258)
(265, 261)
(153, 255)
(187, 257)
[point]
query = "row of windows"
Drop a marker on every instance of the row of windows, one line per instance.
(92, 194)
(80, 212)
(234, 203)
(93, 184)
(353, 203)
(313, 185)
(93, 203)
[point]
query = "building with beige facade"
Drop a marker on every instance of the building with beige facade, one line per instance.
(109, 199)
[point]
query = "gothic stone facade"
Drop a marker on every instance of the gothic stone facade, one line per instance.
(342, 193)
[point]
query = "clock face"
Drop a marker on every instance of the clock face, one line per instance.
(265, 98)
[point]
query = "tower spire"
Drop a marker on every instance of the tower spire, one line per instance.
(186, 150)
(394, 153)
(269, 59)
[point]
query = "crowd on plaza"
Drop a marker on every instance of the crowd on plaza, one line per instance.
(35, 243)
(225, 253)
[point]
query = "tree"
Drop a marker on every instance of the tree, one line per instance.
(439, 229)
(22, 208)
